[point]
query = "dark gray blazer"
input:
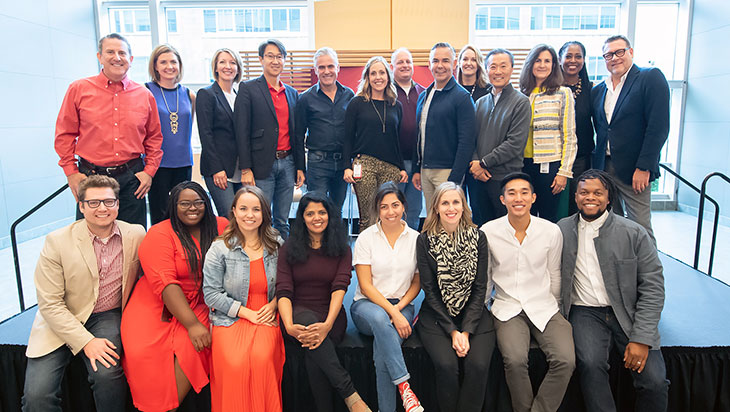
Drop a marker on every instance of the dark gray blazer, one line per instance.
(632, 274)
(257, 128)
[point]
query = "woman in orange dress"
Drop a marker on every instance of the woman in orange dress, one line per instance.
(239, 277)
(165, 328)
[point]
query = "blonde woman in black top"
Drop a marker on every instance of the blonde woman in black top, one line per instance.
(371, 142)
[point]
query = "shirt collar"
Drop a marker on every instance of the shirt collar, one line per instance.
(115, 232)
(403, 224)
(281, 87)
(104, 81)
(318, 89)
(596, 224)
(609, 81)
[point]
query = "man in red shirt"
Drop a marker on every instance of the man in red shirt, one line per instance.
(108, 125)
(264, 117)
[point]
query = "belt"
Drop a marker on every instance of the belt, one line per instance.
(280, 154)
(112, 170)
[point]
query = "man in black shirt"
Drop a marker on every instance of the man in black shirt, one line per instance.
(321, 118)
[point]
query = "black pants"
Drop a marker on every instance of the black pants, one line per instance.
(165, 179)
(131, 209)
(323, 367)
(484, 199)
(546, 204)
(580, 165)
(470, 395)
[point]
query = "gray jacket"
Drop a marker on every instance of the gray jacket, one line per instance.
(632, 274)
(502, 131)
(226, 279)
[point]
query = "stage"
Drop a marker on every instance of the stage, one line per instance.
(695, 344)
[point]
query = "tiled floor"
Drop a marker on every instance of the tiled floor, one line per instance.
(675, 232)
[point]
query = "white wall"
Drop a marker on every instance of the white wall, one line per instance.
(44, 44)
(706, 141)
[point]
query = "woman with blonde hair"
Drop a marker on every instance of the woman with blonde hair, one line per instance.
(470, 72)
(452, 256)
(176, 108)
(219, 154)
(551, 143)
(239, 279)
(372, 122)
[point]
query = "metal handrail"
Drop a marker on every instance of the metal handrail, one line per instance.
(700, 212)
(14, 242)
(699, 216)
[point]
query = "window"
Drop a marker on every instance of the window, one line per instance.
(589, 18)
(481, 18)
(513, 18)
(129, 21)
(252, 20)
(552, 17)
(596, 67)
(571, 17)
(608, 17)
(172, 21)
(536, 18)
(497, 18)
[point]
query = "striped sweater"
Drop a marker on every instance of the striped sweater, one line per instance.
(552, 129)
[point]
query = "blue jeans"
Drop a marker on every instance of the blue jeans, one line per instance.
(390, 368)
(278, 188)
(222, 199)
(414, 198)
(43, 376)
(325, 171)
(595, 331)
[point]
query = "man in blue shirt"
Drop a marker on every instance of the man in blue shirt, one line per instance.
(321, 117)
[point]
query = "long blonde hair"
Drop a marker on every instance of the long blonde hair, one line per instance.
(365, 90)
(432, 224)
(481, 72)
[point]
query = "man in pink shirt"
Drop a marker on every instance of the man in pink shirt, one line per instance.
(108, 125)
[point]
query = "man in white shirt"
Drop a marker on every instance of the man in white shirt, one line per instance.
(613, 293)
(524, 267)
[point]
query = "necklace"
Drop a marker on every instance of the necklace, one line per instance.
(578, 88)
(173, 115)
(383, 117)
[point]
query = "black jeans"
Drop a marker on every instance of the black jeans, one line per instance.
(484, 199)
(546, 204)
(131, 209)
(323, 367)
(165, 179)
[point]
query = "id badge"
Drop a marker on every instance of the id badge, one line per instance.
(357, 170)
(544, 168)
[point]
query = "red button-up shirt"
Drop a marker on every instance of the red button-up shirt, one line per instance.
(108, 123)
(109, 260)
(281, 106)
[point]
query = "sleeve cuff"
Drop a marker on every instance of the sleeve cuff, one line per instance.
(233, 311)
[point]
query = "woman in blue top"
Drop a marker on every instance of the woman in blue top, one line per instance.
(175, 104)
(239, 277)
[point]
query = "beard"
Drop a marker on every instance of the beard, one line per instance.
(591, 217)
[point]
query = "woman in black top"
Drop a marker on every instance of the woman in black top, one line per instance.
(452, 258)
(372, 121)
(575, 76)
(471, 74)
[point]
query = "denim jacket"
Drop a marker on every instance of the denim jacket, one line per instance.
(226, 280)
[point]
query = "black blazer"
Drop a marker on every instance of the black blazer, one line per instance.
(639, 124)
(217, 134)
(434, 317)
(257, 128)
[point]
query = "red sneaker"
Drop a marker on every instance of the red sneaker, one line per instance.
(410, 401)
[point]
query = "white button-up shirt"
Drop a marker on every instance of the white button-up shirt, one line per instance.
(588, 286)
(392, 268)
(525, 276)
(424, 118)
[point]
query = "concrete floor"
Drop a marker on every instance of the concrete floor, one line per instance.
(675, 233)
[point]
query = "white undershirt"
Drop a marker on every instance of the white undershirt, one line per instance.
(424, 117)
(231, 98)
(588, 286)
(609, 104)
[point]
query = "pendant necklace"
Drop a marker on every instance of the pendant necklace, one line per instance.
(383, 117)
(173, 115)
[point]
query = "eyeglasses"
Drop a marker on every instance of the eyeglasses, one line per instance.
(186, 204)
(94, 203)
(618, 53)
(271, 56)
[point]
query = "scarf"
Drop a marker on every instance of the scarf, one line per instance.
(456, 265)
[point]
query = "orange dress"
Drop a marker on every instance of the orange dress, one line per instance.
(151, 337)
(248, 359)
